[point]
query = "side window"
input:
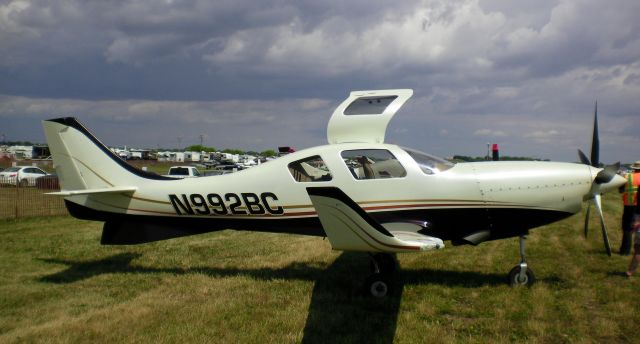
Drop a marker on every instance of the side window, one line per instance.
(311, 169)
(373, 164)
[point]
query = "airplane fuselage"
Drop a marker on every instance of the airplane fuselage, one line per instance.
(464, 199)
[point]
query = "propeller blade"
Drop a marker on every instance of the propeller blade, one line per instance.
(598, 205)
(586, 219)
(595, 141)
(607, 174)
(583, 158)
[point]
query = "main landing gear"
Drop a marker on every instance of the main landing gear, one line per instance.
(521, 274)
(383, 266)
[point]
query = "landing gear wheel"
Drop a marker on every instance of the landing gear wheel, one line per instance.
(521, 274)
(378, 286)
(515, 279)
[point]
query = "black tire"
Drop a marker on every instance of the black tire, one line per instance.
(514, 277)
(24, 183)
(378, 286)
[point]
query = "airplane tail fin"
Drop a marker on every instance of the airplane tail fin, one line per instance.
(350, 228)
(82, 162)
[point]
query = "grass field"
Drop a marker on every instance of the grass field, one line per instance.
(159, 167)
(57, 284)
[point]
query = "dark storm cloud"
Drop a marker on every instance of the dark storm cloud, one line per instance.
(163, 50)
(524, 74)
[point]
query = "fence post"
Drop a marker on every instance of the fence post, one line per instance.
(17, 196)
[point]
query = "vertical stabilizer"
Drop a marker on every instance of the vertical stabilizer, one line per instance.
(83, 162)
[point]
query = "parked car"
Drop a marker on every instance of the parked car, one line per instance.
(180, 172)
(21, 175)
(48, 182)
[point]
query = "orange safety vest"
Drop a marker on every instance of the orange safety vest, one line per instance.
(630, 194)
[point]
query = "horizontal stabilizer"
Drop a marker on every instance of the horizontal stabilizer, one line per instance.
(350, 228)
(117, 189)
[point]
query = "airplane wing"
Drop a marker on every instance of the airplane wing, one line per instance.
(350, 228)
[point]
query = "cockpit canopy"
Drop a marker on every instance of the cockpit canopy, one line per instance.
(364, 116)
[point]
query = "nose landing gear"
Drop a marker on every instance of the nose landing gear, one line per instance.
(521, 274)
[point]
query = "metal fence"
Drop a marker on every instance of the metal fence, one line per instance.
(19, 200)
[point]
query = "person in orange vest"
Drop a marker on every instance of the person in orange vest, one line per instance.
(635, 260)
(631, 208)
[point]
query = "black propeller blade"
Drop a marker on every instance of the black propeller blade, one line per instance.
(607, 174)
(604, 176)
(595, 140)
(583, 158)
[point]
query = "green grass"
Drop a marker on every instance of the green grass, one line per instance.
(159, 167)
(57, 284)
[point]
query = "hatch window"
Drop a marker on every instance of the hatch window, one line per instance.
(373, 164)
(429, 164)
(369, 105)
(311, 169)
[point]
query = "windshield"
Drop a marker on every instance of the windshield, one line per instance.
(429, 164)
(12, 169)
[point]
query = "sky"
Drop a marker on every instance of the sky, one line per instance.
(256, 75)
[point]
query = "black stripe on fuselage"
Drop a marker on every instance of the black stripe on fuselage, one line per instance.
(447, 224)
(73, 123)
(127, 229)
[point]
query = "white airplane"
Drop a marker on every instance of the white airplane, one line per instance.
(359, 192)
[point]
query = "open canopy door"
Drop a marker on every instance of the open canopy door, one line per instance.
(364, 116)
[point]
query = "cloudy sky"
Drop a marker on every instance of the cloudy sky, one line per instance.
(261, 74)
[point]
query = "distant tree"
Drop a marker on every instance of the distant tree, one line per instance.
(463, 158)
(199, 148)
(269, 153)
(233, 151)
(20, 143)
